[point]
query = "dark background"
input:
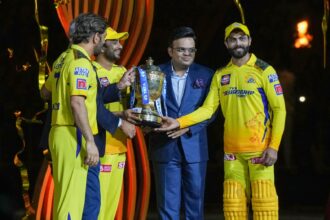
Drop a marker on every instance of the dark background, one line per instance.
(303, 166)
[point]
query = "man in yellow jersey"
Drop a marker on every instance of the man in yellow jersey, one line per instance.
(113, 161)
(252, 103)
(74, 123)
(106, 120)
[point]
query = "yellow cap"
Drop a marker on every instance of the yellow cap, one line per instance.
(111, 34)
(234, 26)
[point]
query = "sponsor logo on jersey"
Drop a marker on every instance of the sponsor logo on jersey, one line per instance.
(105, 168)
(121, 165)
(251, 80)
(81, 71)
(104, 81)
(273, 78)
(229, 157)
(238, 92)
(278, 89)
(81, 84)
(225, 79)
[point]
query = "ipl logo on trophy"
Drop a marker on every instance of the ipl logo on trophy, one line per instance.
(147, 90)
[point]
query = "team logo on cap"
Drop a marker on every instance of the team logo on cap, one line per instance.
(104, 81)
(278, 89)
(225, 79)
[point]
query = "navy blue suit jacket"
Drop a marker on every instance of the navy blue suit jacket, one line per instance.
(106, 120)
(194, 143)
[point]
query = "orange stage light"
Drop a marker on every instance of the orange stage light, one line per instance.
(304, 38)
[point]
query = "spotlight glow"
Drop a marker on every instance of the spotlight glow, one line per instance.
(302, 99)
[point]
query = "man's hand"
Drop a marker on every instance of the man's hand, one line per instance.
(177, 133)
(128, 128)
(127, 79)
(269, 157)
(92, 157)
(168, 124)
(131, 117)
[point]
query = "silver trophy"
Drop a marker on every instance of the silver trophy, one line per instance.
(147, 90)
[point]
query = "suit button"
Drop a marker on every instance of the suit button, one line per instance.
(179, 114)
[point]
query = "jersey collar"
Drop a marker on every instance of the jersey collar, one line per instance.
(250, 62)
(82, 50)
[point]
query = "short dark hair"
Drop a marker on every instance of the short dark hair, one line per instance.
(85, 25)
(181, 32)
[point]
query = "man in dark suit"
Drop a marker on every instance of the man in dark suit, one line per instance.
(180, 157)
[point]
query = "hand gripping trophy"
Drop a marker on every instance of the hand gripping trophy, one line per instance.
(147, 89)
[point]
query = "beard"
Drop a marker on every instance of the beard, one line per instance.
(98, 49)
(112, 56)
(239, 53)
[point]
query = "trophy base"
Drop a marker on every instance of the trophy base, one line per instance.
(152, 121)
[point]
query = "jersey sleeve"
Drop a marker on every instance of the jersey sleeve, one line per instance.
(206, 111)
(80, 74)
(275, 98)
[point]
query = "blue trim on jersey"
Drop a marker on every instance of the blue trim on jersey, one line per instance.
(78, 134)
(265, 102)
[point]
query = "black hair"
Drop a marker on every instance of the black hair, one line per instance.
(86, 25)
(181, 32)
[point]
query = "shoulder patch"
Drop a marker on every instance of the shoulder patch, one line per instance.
(81, 84)
(81, 71)
(273, 78)
(261, 64)
(278, 89)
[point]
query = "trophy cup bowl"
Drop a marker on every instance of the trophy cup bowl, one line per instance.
(148, 88)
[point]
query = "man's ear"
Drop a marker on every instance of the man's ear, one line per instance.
(225, 42)
(96, 38)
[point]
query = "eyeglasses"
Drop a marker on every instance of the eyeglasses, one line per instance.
(183, 50)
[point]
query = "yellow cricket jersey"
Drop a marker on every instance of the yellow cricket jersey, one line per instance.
(252, 103)
(114, 143)
(73, 75)
(57, 66)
